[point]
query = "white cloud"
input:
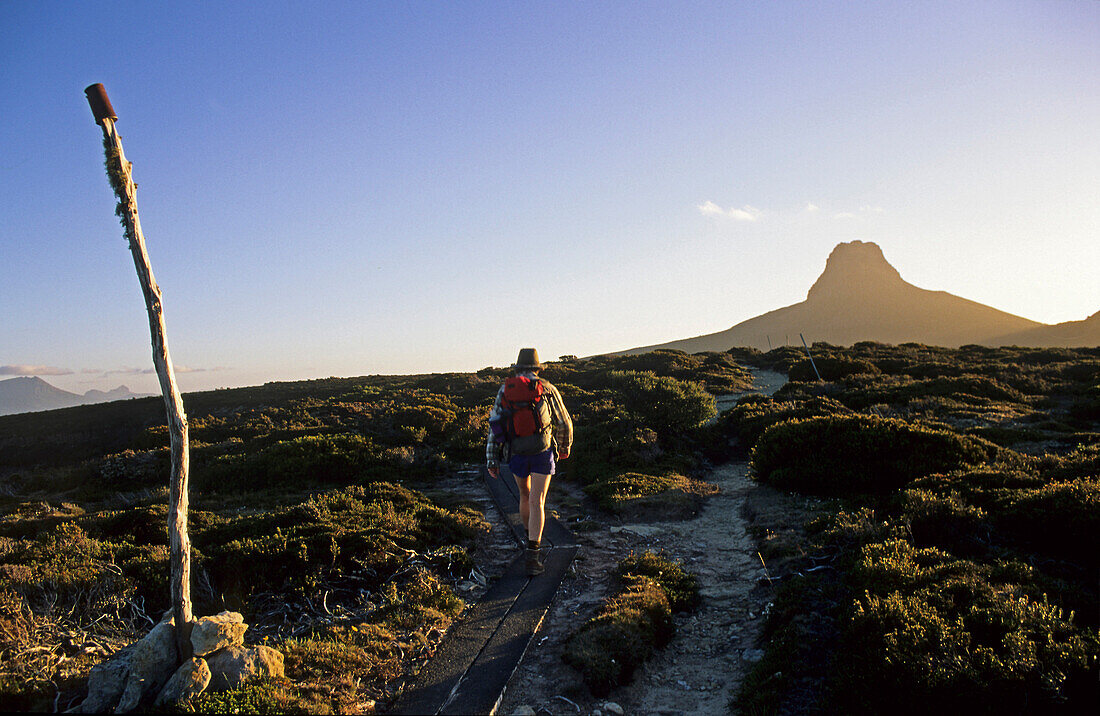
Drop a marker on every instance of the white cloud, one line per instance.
(863, 211)
(746, 213)
(33, 370)
(149, 371)
(711, 209)
(751, 213)
(128, 371)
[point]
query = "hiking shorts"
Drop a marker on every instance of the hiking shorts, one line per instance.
(523, 465)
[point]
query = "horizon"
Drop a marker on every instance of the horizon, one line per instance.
(351, 192)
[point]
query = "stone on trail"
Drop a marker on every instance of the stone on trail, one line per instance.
(151, 664)
(234, 665)
(523, 710)
(613, 708)
(212, 633)
(752, 655)
(191, 679)
(641, 530)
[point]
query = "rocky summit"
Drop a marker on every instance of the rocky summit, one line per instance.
(860, 296)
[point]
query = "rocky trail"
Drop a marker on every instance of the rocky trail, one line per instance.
(701, 670)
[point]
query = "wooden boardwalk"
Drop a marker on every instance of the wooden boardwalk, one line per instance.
(479, 654)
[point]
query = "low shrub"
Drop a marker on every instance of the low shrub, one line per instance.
(664, 404)
(681, 587)
(845, 455)
(613, 444)
(628, 628)
(641, 494)
(1087, 406)
(138, 525)
(717, 373)
(782, 358)
(930, 369)
(421, 602)
(801, 633)
(1083, 461)
(64, 565)
(366, 532)
(130, 468)
(984, 487)
(336, 459)
(976, 391)
(24, 684)
(944, 521)
(1061, 519)
(972, 589)
(845, 533)
(1007, 436)
(830, 368)
(266, 696)
(664, 361)
(931, 632)
(754, 414)
(333, 672)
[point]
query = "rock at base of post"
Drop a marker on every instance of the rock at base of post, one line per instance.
(147, 669)
(191, 679)
(234, 665)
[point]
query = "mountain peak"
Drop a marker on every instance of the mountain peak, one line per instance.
(27, 380)
(861, 297)
(30, 393)
(855, 268)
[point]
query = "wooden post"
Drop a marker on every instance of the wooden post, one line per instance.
(119, 172)
(811, 358)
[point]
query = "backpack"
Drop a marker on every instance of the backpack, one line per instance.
(524, 422)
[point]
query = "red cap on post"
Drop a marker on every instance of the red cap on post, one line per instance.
(101, 106)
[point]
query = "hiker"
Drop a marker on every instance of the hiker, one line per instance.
(529, 429)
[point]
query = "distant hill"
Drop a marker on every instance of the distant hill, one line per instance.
(31, 394)
(861, 297)
(1076, 334)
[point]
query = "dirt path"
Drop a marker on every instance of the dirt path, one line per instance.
(702, 668)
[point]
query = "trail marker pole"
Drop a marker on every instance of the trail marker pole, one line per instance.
(119, 172)
(810, 357)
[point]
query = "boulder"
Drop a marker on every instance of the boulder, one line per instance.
(152, 662)
(107, 682)
(234, 665)
(217, 632)
(191, 679)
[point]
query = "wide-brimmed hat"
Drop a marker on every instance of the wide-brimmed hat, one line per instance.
(528, 358)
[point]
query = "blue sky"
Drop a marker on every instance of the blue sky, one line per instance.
(355, 188)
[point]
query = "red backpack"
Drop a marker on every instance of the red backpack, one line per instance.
(525, 416)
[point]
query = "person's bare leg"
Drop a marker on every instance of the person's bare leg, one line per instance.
(524, 485)
(539, 485)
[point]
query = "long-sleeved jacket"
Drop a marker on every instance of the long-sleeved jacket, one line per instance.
(563, 424)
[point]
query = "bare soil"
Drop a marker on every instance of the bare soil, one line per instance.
(701, 670)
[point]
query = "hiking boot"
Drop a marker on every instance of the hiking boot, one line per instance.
(534, 564)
